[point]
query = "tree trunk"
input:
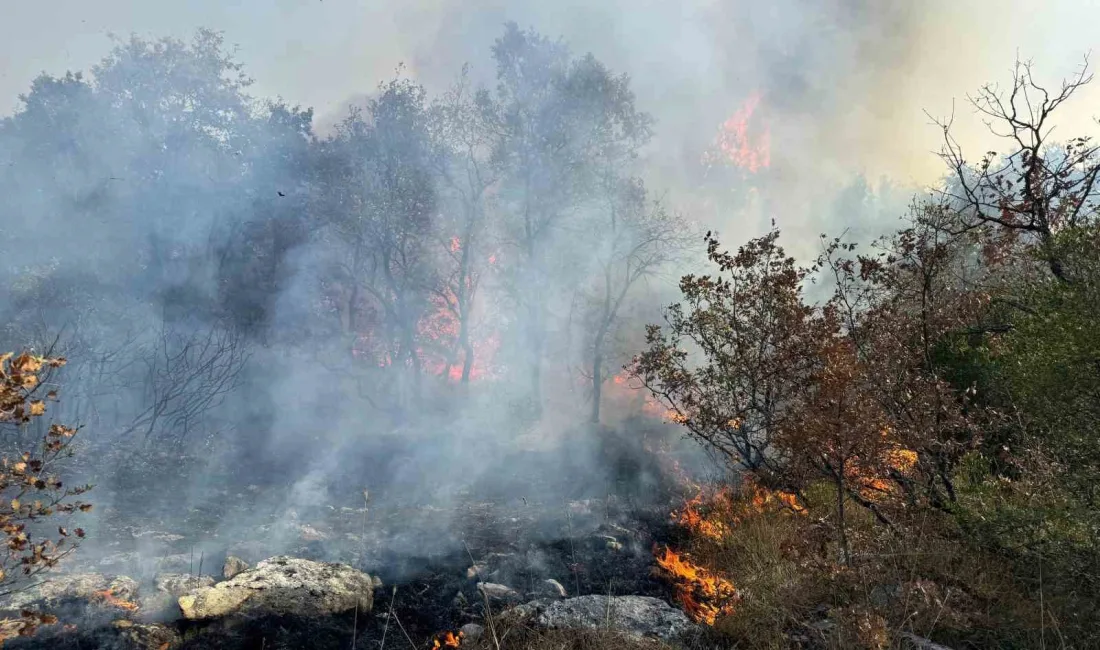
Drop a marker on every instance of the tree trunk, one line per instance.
(597, 386)
(842, 531)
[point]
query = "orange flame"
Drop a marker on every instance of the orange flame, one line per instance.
(704, 595)
(108, 597)
(873, 487)
(741, 141)
(447, 640)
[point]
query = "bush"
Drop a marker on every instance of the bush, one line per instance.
(31, 493)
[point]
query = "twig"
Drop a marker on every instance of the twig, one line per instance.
(386, 629)
(355, 624)
(402, 628)
(607, 617)
(573, 549)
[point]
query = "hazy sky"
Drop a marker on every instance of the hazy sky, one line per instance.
(845, 81)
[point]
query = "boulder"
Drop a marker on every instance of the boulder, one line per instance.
(283, 585)
(55, 589)
(133, 636)
(233, 566)
(471, 631)
(177, 584)
(909, 640)
(636, 616)
(497, 592)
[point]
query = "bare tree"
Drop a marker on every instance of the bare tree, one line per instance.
(636, 236)
(184, 374)
(1038, 187)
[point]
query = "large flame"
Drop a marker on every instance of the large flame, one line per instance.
(742, 141)
(704, 595)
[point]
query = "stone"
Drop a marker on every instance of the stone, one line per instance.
(61, 587)
(494, 591)
(551, 588)
(133, 636)
(233, 565)
(915, 642)
(283, 585)
(636, 616)
(471, 631)
(177, 584)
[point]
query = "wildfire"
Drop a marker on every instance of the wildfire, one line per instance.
(872, 486)
(108, 596)
(447, 640)
(621, 389)
(704, 596)
(692, 517)
(742, 142)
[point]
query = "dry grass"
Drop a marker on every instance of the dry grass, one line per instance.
(520, 638)
(795, 591)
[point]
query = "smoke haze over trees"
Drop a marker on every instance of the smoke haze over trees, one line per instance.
(468, 278)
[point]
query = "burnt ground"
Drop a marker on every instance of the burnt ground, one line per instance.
(527, 518)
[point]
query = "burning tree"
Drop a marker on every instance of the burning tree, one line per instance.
(736, 352)
(848, 391)
(562, 119)
(380, 199)
(462, 125)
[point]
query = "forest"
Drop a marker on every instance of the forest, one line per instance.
(219, 313)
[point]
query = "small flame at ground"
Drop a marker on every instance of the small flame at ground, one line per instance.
(108, 596)
(447, 640)
(704, 596)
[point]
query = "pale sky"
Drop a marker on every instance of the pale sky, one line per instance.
(863, 71)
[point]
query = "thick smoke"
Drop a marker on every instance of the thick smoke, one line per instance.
(153, 288)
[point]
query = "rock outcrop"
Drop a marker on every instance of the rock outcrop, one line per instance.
(233, 566)
(89, 587)
(283, 586)
(638, 616)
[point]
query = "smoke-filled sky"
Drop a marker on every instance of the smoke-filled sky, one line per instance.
(848, 79)
(842, 87)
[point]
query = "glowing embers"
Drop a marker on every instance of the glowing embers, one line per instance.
(108, 597)
(703, 595)
(631, 394)
(743, 140)
(447, 640)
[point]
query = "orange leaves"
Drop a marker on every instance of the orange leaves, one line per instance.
(28, 492)
(18, 380)
(26, 625)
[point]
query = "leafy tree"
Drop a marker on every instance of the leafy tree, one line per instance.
(379, 196)
(561, 119)
(736, 352)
